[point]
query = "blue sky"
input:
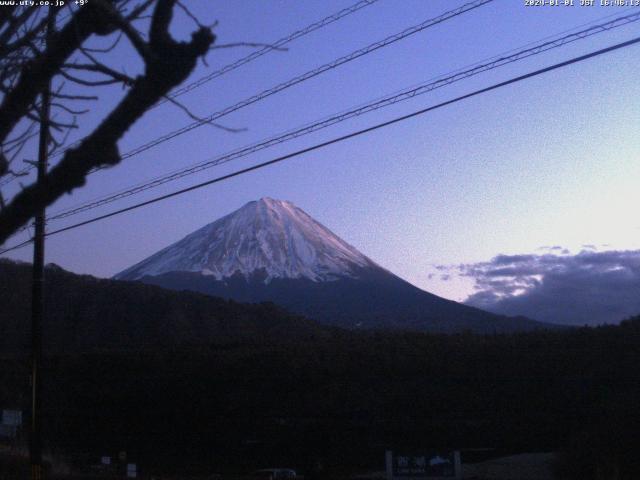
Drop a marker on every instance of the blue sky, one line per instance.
(549, 161)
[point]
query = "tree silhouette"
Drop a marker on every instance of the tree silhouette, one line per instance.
(35, 52)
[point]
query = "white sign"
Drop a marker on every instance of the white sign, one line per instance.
(423, 465)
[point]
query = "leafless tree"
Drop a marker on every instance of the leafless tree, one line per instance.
(37, 48)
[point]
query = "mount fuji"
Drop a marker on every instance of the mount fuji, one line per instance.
(271, 250)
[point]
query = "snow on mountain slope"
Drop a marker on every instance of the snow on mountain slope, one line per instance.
(267, 235)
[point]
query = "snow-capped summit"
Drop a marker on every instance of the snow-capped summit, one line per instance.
(271, 237)
(270, 250)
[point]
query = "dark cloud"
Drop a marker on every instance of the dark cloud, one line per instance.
(591, 287)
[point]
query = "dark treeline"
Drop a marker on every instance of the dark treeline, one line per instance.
(191, 383)
(88, 314)
(344, 398)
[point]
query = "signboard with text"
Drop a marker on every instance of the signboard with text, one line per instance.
(423, 465)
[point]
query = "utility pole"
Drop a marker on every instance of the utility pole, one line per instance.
(37, 292)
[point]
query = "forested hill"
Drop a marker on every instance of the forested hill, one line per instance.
(84, 313)
(240, 387)
(347, 397)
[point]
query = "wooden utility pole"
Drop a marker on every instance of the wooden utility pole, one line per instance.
(37, 292)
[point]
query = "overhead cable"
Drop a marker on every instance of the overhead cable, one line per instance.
(346, 115)
(342, 138)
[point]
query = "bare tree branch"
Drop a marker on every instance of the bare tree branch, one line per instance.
(167, 64)
(139, 10)
(194, 18)
(69, 110)
(87, 83)
(42, 68)
(125, 26)
(74, 97)
(29, 37)
(14, 25)
(105, 49)
(197, 118)
(103, 69)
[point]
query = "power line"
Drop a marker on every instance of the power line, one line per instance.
(303, 77)
(308, 75)
(234, 65)
(16, 247)
(341, 138)
(214, 160)
(343, 116)
(269, 48)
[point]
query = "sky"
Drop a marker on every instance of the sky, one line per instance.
(550, 161)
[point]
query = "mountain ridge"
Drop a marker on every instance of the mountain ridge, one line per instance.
(271, 250)
(89, 314)
(268, 234)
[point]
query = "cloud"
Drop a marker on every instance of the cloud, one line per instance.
(591, 287)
